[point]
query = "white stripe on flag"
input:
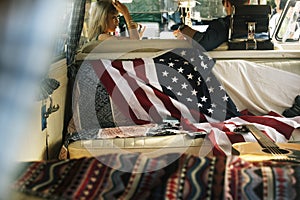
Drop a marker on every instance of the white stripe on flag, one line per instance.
(221, 139)
(126, 91)
(128, 67)
(150, 70)
(185, 112)
(157, 103)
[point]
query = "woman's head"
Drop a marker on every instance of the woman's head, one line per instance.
(103, 19)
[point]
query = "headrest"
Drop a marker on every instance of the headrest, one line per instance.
(242, 15)
(253, 10)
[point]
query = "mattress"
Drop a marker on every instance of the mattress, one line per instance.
(216, 138)
(149, 146)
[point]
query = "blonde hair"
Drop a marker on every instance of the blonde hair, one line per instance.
(98, 18)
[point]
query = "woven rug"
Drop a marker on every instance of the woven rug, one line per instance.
(132, 176)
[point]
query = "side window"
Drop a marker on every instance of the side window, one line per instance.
(288, 29)
(59, 49)
(160, 15)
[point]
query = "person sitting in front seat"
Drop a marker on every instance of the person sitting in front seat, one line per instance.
(217, 31)
(104, 20)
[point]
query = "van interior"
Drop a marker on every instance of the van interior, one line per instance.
(155, 118)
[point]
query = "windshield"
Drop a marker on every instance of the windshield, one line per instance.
(289, 23)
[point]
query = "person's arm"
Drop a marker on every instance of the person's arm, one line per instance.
(214, 36)
(131, 25)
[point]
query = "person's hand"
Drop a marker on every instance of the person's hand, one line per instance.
(228, 7)
(121, 8)
(141, 30)
(178, 34)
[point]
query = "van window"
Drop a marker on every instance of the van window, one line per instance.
(160, 15)
(288, 29)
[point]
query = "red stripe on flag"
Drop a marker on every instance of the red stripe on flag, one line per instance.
(167, 103)
(220, 125)
(279, 126)
(140, 94)
(139, 67)
(235, 137)
(113, 90)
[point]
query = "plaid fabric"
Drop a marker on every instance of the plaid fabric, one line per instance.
(75, 29)
(74, 33)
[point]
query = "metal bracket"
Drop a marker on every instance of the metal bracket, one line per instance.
(52, 108)
(251, 30)
(251, 42)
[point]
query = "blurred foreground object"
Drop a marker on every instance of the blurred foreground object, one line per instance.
(27, 32)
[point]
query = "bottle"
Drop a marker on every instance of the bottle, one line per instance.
(117, 31)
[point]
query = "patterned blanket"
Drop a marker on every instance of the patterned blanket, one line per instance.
(171, 176)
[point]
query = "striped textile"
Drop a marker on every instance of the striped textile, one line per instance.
(221, 135)
(132, 176)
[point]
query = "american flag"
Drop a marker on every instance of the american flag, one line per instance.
(178, 84)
